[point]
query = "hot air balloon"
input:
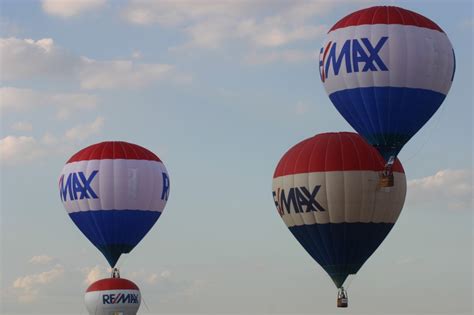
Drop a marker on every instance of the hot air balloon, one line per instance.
(114, 192)
(113, 296)
(386, 70)
(325, 189)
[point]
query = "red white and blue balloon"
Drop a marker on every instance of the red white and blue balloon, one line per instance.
(387, 70)
(114, 192)
(325, 189)
(113, 296)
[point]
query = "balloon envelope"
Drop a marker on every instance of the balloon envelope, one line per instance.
(387, 70)
(114, 192)
(113, 296)
(325, 190)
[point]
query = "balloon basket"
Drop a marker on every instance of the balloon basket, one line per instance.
(342, 300)
(386, 180)
(115, 273)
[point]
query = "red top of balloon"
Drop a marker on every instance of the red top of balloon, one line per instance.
(114, 150)
(112, 284)
(385, 15)
(334, 151)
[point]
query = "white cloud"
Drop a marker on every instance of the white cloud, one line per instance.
(21, 149)
(26, 58)
(22, 126)
(15, 150)
(83, 131)
(448, 188)
(92, 274)
(29, 286)
(13, 99)
(150, 277)
(208, 24)
(175, 13)
(165, 274)
(49, 139)
(277, 31)
(16, 99)
(68, 8)
(121, 74)
(41, 260)
(136, 54)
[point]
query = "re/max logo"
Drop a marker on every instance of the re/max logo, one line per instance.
(77, 186)
(113, 298)
(300, 198)
(358, 55)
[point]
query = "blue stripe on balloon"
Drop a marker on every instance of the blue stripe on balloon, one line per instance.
(387, 116)
(115, 232)
(341, 248)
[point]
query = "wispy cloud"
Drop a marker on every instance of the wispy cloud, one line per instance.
(67, 9)
(22, 126)
(16, 99)
(448, 188)
(92, 274)
(121, 74)
(14, 150)
(211, 24)
(28, 59)
(41, 260)
(28, 287)
(84, 131)
(23, 149)
(151, 277)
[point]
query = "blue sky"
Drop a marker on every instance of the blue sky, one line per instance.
(219, 90)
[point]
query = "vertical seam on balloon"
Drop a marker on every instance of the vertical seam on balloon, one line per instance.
(112, 180)
(352, 111)
(123, 146)
(99, 212)
(98, 231)
(343, 259)
(285, 162)
(153, 170)
(363, 104)
(376, 88)
(419, 92)
(114, 155)
(355, 107)
(353, 250)
(389, 104)
(398, 133)
(309, 234)
(135, 152)
(317, 246)
(330, 251)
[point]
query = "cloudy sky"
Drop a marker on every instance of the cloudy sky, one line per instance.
(219, 90)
